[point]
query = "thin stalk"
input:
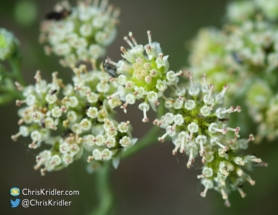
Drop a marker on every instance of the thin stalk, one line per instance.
(102, 176)
(103, 191)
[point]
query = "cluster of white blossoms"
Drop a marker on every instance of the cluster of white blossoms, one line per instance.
(197, 124)
(74, 118)
(245, 54)
(79, 33)
(226, 172)
(143, 75)
(8, 44)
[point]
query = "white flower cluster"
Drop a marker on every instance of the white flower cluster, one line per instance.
(254, 45)
(82, 34)
(143, 74)
(227, 171)
(8, 44)
(197, 119)
(72, 118)
(197, 124)
(244, 53)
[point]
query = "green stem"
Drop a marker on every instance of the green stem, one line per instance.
(103, 190)
(102, 175)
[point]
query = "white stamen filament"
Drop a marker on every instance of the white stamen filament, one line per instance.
(132, 38)
(182, 146)
(202, 152)
(191, 159)
(224, 195)
(19, 102)
(128, 42)
(241, 192)
(225, 88)
(161, 139)
(113, 95)
(225, 148)
(149, 37)
(236, 130)
(204, 193)
(124, 107)
(145, 119)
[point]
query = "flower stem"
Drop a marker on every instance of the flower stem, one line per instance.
(104, 192)
(102, 175)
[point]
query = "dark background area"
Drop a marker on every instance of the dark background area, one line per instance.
(152, 182)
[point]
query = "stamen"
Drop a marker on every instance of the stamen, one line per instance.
(18, 86)
(225, 148)
(191, 159)
(149, 36)
(224, 195)
(124, 107)
(241, 192)
(123, 49)
(129, 42)
(132, 38)
(15, 136)
(145, 119)
(161, 139)
(227, 203)
(19, 102)
(204, 193)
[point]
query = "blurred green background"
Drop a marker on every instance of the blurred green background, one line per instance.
(152, 182)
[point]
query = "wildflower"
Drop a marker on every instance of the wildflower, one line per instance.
(83, 34)
(73, 118)
(200, 127)
(227, 173)
(143, 74)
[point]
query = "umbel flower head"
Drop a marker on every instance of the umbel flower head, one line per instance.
(143, 75)
(245, 52)
(241, 50)
(79, 33)
(197, 124)
(8, 44)
(75, 119)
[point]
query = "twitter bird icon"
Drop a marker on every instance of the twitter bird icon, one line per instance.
(14, 203)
